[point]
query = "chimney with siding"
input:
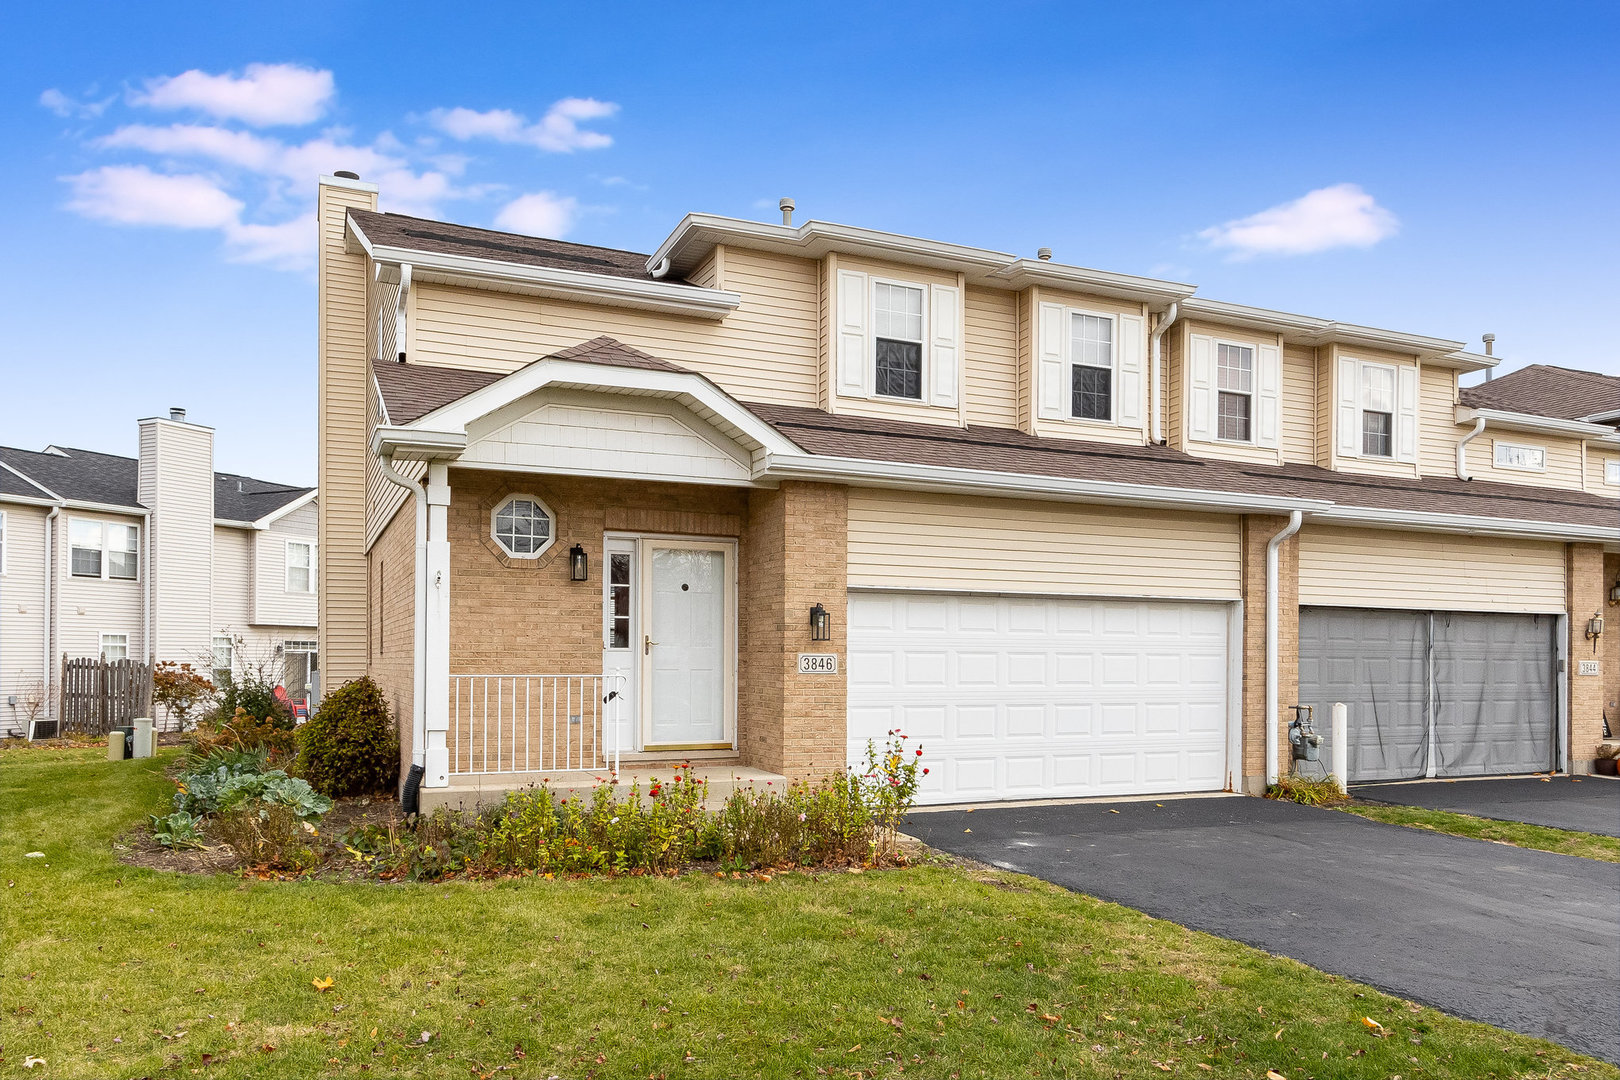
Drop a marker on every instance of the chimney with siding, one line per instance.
(341, 342)
(176, 483)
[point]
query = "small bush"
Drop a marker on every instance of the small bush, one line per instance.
(244, 731)
(351, 745)
(1307, 791)
(270, 835)
(211, 789)
(177, 831)
(180, 690)
(253, 696)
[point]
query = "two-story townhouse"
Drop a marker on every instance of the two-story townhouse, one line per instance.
(773, 491)
(153, 557)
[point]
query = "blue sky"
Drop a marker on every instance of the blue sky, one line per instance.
(1440, 168)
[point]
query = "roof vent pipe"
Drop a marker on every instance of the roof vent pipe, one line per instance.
(347, 175)
(1045, 254)
(178, 415)
(1490, 344)
(786, 206)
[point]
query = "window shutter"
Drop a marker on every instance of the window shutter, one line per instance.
(853, 351)
(1268, 395)
(1132, 346)
(1201, 389)
(1406, 404)
(945, 359)
(1349, 430)
(1052, 349)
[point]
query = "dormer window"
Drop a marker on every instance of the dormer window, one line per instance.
(897, 316)
(1234, 380)
(1092, 350)
(1376, 414)
(1377, 411)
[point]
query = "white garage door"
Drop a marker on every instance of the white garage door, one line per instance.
(1017, 698)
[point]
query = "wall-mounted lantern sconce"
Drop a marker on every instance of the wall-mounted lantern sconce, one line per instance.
(579, 566)
(1614, 593)
(820, 624)
(1594, 628)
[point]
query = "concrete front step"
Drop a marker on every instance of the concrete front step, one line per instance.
(468, 792)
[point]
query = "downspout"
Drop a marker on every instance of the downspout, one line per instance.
(419, 612)
(50, 611)
(660, 270)
(1295, 519)
(146, 598)
(1462, 449)
(1157, 406)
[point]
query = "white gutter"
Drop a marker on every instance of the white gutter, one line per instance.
(1295, 519)
(1466, 524)
(1462, 448)
(1157, 405)
(1541, 425)
(146, 580)
(419, 612)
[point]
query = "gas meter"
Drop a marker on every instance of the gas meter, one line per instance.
(1302, 735)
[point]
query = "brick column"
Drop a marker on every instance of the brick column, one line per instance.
(794, 553)
(1257, 531)
(1587, 596)
(1611, 650)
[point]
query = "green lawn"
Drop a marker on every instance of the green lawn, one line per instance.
(111, 971)
(1517, 833)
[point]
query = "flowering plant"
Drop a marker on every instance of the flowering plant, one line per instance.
(889, 782)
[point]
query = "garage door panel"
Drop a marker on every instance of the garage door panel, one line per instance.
(1494, 694)
(1043, 697)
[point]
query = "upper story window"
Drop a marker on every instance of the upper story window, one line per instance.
(1091, 347)
(522, 526)
(1611, 472)
(103, 549)
(1377, 411)
(115, 646)
(1508, 455)
(897, 319)
(300, 566)
(1234, 383)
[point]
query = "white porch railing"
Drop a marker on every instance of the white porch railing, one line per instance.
(535, 723)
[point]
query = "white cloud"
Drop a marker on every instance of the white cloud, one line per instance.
(64, 106)
(264, 94)
(135, 195)
(557, 131)
(1342, 215)
(287, 246)
(540, 213)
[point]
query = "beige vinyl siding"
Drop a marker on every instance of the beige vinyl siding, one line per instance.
(22, 619)
(915, 540)
(233, 579)
(1028, 303)
(383, 496)
(707, 273)
(1438, 430)
(1327, 431)
(990, 361)
(1299, 405)
(827, 270)
(1174, 344)
(764, 351)
(1375, 568)
(342, 339)
(1563, 459)
(88, 607)
(177, 484)
(273, 605)
(1596, 464)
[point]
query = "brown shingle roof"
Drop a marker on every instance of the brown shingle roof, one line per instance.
(1544, 390)
(421, 234)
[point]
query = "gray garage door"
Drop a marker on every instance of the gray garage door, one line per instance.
(1473, 694)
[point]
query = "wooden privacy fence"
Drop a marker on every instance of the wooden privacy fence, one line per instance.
(98, 695)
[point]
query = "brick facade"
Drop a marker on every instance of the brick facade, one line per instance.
(1588, 596)
(1257, 531)
(1611, 651)
(390, 626)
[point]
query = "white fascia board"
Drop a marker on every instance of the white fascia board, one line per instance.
(382, 402)
(459, 414)
(1503, 420)
(1468, 524)
(418, 444)
(1304, 329)
(1465, 361)
(282, 511)
(107, 508)
(863, 472)
(1419, 345)
(229, 523)
(1608, 416)
(604, 289)
(28, 500)
(1309, 330)
(1022, 273)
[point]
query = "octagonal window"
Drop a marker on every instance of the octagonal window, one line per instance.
(522, 526)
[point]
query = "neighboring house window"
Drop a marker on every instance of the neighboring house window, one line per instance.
(300, 664)
(115, 646)
(1518, 456)
(1611, 472)
(898, 320)
(1234, 379)
(1092, 369)
(300, 566)
(224, 660)
(522, 526)
(1377, 410)
(102, 549)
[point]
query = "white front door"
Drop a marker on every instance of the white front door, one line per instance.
(688, 644)
(621, 640)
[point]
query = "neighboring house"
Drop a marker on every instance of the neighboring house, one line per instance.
(155, 557)
(774, 491)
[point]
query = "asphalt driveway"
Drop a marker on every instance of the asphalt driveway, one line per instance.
(1526, 940)
(1590, 804)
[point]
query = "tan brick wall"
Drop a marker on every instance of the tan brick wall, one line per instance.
(390, 628)
(794, 557)
(1588, 595)
(1257, 531)
(1611, 652)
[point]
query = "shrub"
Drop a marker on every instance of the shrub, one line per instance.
(270, 835)
(180, 690)
(244, 731)
(350, 746)
(254, 696)
(1307, 791)
(178, 830)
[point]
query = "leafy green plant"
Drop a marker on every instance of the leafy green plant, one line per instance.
(211, 789)
(177, 831)
(244, 731)
(1307, 791)
(253, 695)
(351, 745)
(272, 835)
(889, 786)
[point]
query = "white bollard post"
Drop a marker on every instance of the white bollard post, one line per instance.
(115, 746)
(1341, 745)
(145, 737)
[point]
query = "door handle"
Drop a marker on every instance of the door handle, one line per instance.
(647, 644)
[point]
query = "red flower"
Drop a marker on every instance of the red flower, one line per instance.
(925, 772)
